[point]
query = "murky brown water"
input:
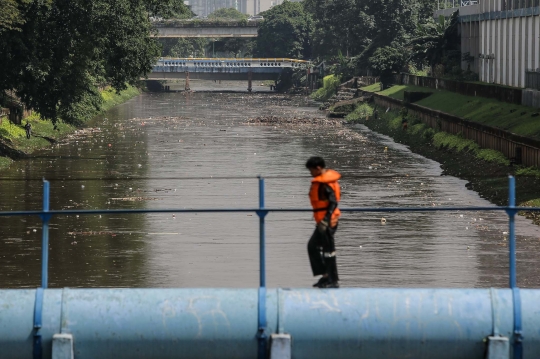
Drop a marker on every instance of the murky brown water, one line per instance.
(149, 155)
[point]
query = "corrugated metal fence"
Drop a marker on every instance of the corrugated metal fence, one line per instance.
(532, 79)
(524, 150)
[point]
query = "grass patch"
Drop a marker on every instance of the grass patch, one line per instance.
(5, 162)
(528, 171)
(376, 87)
(531, 203)
(330, 85)
(361, 112)
(459, 144)
(111, 98)
(521, 120)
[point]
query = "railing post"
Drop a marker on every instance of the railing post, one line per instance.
(45, 236)
(261, 332)
(516, 297)
(512, 229)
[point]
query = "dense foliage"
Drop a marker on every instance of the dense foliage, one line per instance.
(285, 32)
(228, 14)
(56, 54)
(361, 37)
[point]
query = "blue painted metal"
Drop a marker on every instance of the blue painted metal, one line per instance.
(219, 323)
(45, 217)
(38, 310)
(512, 229)
(516, 298)
(243, 210)
(269, 306)
(262, 323)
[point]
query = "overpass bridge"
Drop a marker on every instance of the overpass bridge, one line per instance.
(216, 29)
(224, 69)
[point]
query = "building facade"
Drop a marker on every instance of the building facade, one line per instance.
(502, 38)
(249, 7)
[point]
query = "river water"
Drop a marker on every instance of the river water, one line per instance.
(173, 150)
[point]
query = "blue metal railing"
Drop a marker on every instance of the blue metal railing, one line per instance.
(262, 337)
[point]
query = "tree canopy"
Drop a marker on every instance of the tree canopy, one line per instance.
(56, 54)
(355, 36)
(285, 32)
(227, 13)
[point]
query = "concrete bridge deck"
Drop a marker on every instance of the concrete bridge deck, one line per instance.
(224, 69)
(207, 29)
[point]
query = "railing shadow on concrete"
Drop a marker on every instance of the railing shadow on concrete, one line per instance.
(498, 345)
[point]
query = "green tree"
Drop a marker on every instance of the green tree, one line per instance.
(189, 47)
(386, 61)
(11, 17)
(438, 42)
(358, 28)
(235, 47)
(228, 14)
(67, 49)
(285, 32)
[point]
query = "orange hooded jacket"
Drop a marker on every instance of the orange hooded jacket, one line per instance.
(330, 177)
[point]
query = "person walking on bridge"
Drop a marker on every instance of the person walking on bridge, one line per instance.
(324, 196)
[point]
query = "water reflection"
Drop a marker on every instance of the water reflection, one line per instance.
(205, 136)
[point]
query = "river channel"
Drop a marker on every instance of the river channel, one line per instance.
(175, 150)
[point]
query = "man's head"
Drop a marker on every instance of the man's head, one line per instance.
(316, 166)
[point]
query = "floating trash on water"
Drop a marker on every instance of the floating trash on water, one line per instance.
(504, 233)
(35, 230)
(360, 247)
(77, 216)
(383, 220)
(386, 149)
(460, 216)
(82, 186)
(139, 165)
(468, 247)
(131, 189)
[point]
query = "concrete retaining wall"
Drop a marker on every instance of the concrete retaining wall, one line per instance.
(485, 136)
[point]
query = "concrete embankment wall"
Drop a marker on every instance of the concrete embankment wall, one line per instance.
(511, 145)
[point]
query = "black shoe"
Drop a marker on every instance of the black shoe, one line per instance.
(331, 284)
(321, 283)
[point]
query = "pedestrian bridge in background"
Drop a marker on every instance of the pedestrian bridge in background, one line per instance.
(216, 29)
(223, 68)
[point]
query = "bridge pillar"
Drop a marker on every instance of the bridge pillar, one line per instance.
(250, 78)
(187, 82)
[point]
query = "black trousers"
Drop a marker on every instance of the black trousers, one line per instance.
(322, 253)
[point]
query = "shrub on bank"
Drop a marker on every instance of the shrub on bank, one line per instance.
(330, 85)
(361, 112)
(43, 131)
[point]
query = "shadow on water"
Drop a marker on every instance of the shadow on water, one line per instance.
(159, 140)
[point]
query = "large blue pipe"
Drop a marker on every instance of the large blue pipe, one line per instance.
(222, 323)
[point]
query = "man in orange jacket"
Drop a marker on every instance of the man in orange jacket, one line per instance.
(324, 196)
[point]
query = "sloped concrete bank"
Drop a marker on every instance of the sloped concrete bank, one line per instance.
(488, 178)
